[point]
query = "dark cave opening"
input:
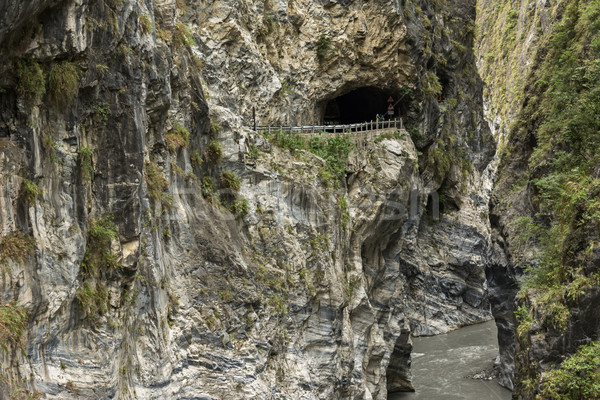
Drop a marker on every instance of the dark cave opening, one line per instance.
(361, 105)
(445, 81)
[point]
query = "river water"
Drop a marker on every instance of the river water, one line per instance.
(441, 366)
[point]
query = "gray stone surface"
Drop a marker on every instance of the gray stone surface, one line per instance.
(288, 302)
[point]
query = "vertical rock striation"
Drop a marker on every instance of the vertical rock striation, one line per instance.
(161, 249)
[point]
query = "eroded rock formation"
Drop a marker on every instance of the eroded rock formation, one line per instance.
(178, 254)
(544, 256)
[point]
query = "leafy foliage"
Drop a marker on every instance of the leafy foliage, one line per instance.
(442, 156)
(30, 191)
(562, 165)
(157, 184)
(388, 135)
(342, 205)
(524, 319)
(431, 85)
(578, 377)
(560, 122)
(145, 23)
(183, 36)
(324, 47)
(333, 149)
(215, 128)
(93, 299)
(98, 261)
(50, 147)
(208, 188)
(415, 133)
(240, 207)
(178, 137)
(196, 159)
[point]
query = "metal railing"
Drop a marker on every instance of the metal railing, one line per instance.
(345, 128)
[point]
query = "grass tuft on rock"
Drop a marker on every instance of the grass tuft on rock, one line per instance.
(157, 184)
(63, 82)
(93, 299)
(16, 247)
(32, 83)
(333, 149)
(214, 152)
(13, 320)
(208, 188)
(182, 36)
(177, 138)
(240, 207)
(196, 159)
(230, 180)
(98, 255)
(30, 191)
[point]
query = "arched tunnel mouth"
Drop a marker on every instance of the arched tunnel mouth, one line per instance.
(363, 104)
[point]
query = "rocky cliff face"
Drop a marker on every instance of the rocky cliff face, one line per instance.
(154, 247)
(510, 37)
(542, 208)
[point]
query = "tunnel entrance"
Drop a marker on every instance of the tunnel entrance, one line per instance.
(360, 105)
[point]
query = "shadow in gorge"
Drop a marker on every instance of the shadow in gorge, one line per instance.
(398, 371)
(443, 366)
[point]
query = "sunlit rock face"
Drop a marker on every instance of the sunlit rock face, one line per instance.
(156, 274)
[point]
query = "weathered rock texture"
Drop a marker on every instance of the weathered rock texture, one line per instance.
(554, 319)
(506, 50)
(312, 289)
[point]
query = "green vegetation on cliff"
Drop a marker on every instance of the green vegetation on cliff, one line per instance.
(63, 81)
(16, 247)
(32, 83)
(30, 191)
(559, 129)
(98, 255)
(333, 149)
(177, 138)
(98, 262)
(13, 320)
(562, 116)
(578, 377)
(85, 163)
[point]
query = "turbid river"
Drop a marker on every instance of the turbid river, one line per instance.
(441, 366)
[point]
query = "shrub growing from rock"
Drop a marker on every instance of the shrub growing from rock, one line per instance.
(32, 83)
(63, 82)
(214, 152)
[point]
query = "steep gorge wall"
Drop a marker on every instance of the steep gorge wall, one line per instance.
(303, 282)
(540, 83)
(510, 35)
